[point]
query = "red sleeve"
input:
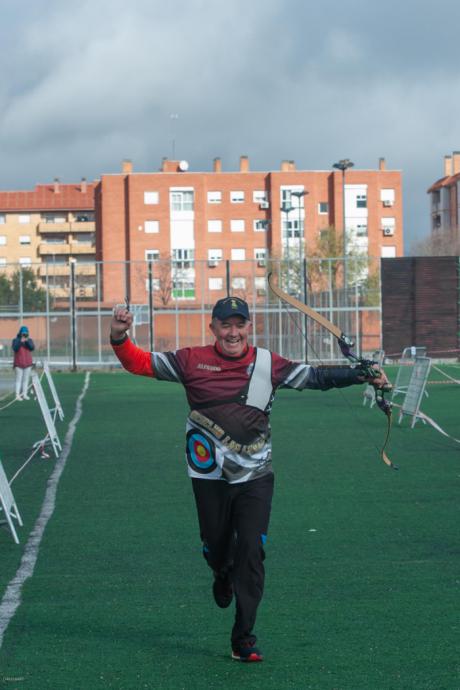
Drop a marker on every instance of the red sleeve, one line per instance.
(133, 359)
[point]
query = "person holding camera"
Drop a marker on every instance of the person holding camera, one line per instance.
(22, 346)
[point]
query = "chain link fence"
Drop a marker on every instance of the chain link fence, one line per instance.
(67, 306)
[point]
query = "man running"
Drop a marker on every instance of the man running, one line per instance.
(230, 387)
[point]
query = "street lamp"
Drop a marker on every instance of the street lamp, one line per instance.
(287, 208)
(343, 165)
(302, 237)
(302, 255)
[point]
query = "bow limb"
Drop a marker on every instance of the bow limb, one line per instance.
(345, 344)
(304, 308)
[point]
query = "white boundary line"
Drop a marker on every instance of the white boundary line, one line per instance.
(12, 597)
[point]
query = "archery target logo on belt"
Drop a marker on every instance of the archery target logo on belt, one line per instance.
(201, 452)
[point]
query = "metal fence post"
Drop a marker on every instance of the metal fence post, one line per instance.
(73, 316)
(150, 274)
(305, 299)
(227, 276)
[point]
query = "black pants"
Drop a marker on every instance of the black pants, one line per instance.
(233, 526)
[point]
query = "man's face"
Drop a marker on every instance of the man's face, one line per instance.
(231, 334)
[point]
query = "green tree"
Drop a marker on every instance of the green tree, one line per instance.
(33, 296)
(5, 291)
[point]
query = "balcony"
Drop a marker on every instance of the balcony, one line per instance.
(83, 226)
(82, 248)
(64, 270)
(57, 227)
(50, 248)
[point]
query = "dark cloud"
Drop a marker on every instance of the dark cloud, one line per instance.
(87, 84)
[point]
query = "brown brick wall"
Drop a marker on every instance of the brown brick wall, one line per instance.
(420, 304)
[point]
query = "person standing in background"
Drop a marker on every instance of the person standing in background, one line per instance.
(22, 347)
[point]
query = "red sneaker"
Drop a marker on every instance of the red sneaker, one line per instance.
(247, 652)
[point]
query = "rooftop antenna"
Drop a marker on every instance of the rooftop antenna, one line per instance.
(173, 117)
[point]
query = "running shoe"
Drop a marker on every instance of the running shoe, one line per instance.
(247, 652)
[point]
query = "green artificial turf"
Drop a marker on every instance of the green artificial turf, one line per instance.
(362, 561)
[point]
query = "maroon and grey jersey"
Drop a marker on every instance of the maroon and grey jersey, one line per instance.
(228, 433)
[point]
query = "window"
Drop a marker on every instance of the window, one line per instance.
(436, 196)
(259, 196)
(287, 199)
(183, 258)
(260, 254)
(24, 239)
(215, 254)
(387, 197)
(238, 255)
(388, 252)
(361, 201)
(2, 239)
(181, 200)
(323, 207)
(156, 285)
(24, 219)
(152, 254)
(260, 225)
(259, 284)
(151, 198)
(237, 225)
(214, 197)
(239, 283)
(183, 288)
(54, 239)
(291, 228)
(151, 226)
(51, 218)
(25, 260)
(83, 238)
(388, 223)
(216, 283)
(214, 226)
(237, 197)
(361, 230)
(2, 218)
(55, 259)
(2, 261)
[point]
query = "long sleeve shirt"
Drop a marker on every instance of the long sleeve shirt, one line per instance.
(228, 434)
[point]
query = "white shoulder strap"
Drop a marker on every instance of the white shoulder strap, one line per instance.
(260, 385)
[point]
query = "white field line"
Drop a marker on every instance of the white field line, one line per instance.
(12, 597)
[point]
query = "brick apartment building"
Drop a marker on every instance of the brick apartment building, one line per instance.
(205, 218)
(50, 225)
(445, 199)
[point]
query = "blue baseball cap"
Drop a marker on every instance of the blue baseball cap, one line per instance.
(230, 306)
(23, 330)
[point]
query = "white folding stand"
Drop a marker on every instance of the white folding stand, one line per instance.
(415, 390)
(406, 364)
(57, 409)
(52, 433)
(8, 504)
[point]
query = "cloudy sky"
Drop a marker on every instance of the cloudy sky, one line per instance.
(86, 84)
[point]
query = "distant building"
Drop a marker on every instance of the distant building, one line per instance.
(445, 200)
(210, 217)
(50, 225)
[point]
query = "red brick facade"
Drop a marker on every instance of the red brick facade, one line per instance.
(122, 214)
